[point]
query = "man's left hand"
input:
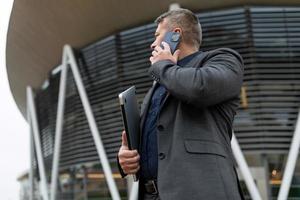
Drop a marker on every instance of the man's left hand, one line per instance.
(164, 54)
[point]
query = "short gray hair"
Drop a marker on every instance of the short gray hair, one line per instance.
(187, 21)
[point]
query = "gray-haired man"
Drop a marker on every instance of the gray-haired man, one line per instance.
(186, 118)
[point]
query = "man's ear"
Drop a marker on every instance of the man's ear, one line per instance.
(177, 30)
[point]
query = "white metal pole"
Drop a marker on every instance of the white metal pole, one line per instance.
(31, 170)
(93, 126)
(59, 128)
(291, 163)
(134, 191)
(38, 146)
(245, 171)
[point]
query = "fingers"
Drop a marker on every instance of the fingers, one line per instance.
(158, 48)
(151, 59)
(166, 46)
(162, 54)
(125, 153)
(130, 167)
(154, 53)
(128, 170)
(176, 54)
(124, 139)
(129, 161)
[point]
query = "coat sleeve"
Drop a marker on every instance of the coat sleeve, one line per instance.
(219, 79)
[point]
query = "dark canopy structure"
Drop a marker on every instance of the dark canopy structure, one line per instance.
(39, 29)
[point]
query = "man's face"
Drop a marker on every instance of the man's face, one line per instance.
(160, 33)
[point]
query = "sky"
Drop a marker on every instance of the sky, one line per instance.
(14, 140)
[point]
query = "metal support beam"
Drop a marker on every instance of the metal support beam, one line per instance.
(134, 191)
(59, 127)
(92, 124)
(291, 163)
(69, 59)
(241, 161)
(31, 169)
(37, 142)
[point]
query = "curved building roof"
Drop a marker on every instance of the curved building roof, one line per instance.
(39, 29)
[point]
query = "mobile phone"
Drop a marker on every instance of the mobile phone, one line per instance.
(173, 39)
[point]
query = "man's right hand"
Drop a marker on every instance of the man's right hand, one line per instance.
(128, 159)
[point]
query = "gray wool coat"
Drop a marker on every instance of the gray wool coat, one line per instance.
(194, 127)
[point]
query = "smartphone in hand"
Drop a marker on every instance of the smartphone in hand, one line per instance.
(173, 39)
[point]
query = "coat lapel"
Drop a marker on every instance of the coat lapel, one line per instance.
(165, 99)
(147, 101)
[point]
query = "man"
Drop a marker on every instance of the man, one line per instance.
(186, 118)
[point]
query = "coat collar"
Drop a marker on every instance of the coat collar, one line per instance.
(147, 101)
